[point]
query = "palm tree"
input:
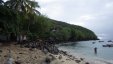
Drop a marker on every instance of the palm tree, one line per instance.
(26, 11)
(26, 6)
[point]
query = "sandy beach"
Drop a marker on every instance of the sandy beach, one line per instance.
(31, 56)
(36, 56)
(22, 55)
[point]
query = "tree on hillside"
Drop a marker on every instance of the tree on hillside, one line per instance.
(7, 20)
(26, 15)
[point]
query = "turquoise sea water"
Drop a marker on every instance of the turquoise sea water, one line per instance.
(86, 49)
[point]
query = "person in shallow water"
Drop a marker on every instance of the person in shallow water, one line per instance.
(95, 50)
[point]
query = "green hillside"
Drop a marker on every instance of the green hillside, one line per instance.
(23, 20)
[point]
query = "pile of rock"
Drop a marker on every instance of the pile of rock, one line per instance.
(42, 45)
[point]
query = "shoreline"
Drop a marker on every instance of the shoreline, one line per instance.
(35, 56)
(87, 53)
(90, 60)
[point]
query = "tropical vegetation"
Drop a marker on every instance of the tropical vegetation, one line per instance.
(20, 18)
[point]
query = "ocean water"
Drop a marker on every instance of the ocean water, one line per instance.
(86, 49)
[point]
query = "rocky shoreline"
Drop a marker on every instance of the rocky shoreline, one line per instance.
(19, 54)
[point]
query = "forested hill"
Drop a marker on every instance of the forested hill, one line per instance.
(25, 21)
(63, 31)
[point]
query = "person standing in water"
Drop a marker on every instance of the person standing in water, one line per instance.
(95, 50)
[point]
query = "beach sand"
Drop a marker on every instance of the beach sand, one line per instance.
(66, 60)
(36, 56)
(21, 55)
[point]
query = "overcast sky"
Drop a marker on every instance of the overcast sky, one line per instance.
(96, 15)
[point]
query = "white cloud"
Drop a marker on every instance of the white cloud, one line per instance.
(103, 36)
(85, 17)
(109, 5)
(46, 1)
(100, 37)
(82, 20)
(80, 23)
(4, 0)
(53, 10)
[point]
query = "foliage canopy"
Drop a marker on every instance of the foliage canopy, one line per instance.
(20, 18)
